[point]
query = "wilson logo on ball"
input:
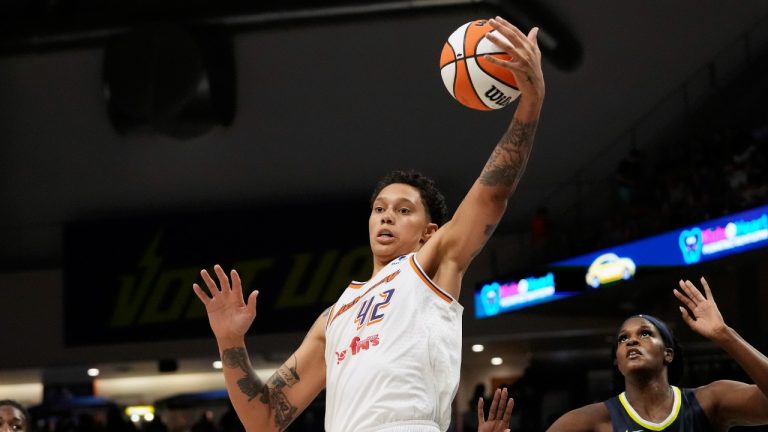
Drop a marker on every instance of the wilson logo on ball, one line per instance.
(469, 77)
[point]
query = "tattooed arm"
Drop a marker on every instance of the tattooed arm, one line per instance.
(274, 404)
(448, 253)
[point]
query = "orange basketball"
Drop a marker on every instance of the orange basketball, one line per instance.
(469, 77)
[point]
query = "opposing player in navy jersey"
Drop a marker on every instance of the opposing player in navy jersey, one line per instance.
(646, 356)
(388, 352)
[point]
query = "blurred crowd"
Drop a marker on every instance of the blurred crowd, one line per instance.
(714, 173)
(111, 418)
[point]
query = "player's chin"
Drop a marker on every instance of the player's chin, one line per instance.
(635, 366)
(386, 252)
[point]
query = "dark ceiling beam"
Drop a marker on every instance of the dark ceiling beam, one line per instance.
(62, 24)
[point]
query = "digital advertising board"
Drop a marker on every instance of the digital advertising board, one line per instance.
(706, 241)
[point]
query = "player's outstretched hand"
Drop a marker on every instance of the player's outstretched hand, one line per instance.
(525, 63)
(498, 415)
(702, 314)
(229, 316)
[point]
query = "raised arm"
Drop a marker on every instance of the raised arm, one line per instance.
(273, 405)
(734, 403)
(454, 245)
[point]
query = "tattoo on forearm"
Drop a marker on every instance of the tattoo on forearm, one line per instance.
(509, 157)
(270, 394)
(288, 375)
(275, 398)
(237, 358)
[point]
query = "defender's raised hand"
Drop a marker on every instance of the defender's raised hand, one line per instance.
(229, 316)
(702, 314)
(498, 414)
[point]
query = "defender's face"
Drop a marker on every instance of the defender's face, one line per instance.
(11, 419)
(640, 347)
(399, 223)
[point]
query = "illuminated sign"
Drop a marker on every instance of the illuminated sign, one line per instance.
(717, 238)
(495, 298)
(140, 271)
(705, 241)
(687, 246)
(609, 268)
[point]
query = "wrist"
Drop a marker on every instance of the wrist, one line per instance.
(723, 335)
(529, 106)
(230, 342)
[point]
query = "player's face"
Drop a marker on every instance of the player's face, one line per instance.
(11, 419)
(640, 348)
(399, 223)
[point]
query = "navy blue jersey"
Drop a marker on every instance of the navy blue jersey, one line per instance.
(686, 415)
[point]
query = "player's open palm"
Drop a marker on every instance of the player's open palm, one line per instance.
(498, 415)
(228, 314)
(702, 314)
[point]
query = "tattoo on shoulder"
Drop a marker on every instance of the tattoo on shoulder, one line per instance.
(510, 155)
(272, 393)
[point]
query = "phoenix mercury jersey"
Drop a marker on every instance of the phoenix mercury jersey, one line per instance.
(392, 353)
(686, 415)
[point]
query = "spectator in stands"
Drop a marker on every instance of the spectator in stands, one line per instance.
(540, 233)
(229, 422)
(204, 423)
(629, 177)
(156, 425)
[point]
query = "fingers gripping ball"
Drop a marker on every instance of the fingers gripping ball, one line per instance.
(469, 77)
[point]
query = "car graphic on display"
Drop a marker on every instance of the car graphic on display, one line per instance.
(609, 268)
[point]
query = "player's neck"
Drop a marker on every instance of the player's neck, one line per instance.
(381, 262)
(646, 396)
(377, 266)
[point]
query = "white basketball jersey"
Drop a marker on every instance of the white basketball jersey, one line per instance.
(392, 353)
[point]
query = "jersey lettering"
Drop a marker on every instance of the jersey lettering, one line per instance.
(378, 302)
(362, 315)
(375, 316)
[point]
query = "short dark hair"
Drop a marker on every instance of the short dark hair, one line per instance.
(10, 402)
(676, 368)
(434, 201)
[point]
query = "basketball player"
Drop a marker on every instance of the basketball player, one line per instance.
(388, 351)
(647, 356)
(13, 416)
